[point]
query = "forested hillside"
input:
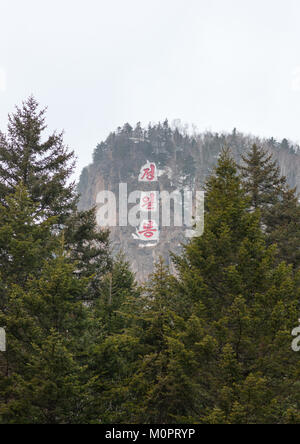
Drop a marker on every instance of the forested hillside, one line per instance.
(185, 160)
(209, 344)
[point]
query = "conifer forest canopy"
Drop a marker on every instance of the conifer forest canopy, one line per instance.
(149, 268)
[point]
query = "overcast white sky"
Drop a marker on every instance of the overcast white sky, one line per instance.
(97, 64)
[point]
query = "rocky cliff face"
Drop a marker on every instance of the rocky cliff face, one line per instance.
(183, 161)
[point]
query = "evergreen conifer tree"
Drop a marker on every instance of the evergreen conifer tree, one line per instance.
(263, 179)
(245, 306)
(113, 350)
(44, 166)
(25, 241)
(279, 206)
(43, 376)
(163, 386)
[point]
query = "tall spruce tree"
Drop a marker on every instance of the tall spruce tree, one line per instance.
(112, 352)
(283, 227)
(42, 372)
(263, 179)
(245, 306)
(279, 206)
(146, 375)
(25, 241)
(43, 379)
(88, 246)
(44, 166)
(163, 386)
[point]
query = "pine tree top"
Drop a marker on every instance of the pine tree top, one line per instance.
(42, 163)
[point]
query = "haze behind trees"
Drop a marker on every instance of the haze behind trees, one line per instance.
(209, 345)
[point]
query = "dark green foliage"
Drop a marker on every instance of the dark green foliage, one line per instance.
(25, 241)
(209, 344)
(88, 247)
(263, 181)
(45, 321)
(279, 205)
(112, 350)
(44, 378)
(43, 166)
(162, 388)
(245, 307)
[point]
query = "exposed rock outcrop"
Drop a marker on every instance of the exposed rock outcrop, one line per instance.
(184, 162)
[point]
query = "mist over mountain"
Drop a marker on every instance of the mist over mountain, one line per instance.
(185, 161)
